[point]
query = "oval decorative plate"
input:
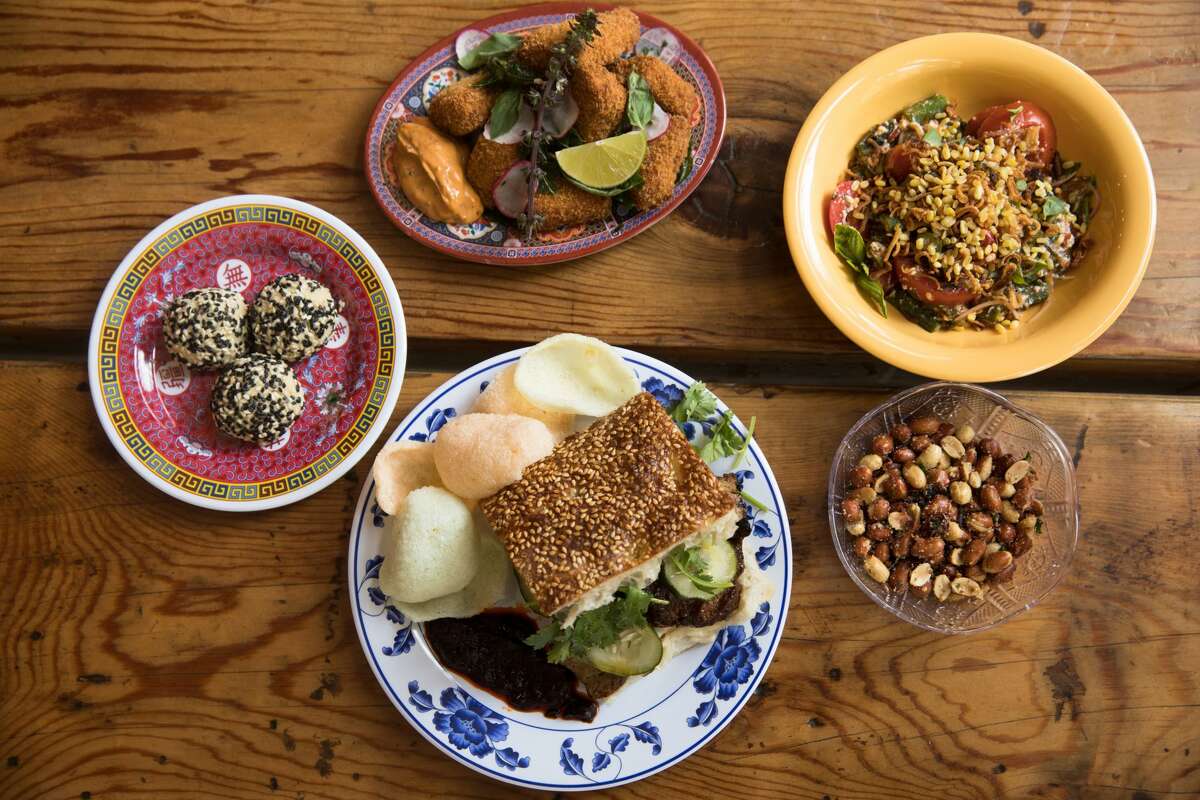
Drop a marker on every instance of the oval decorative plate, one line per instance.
(493, 240)
(653, 722)
(156, 410)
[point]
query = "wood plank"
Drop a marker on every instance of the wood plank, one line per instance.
(153, 649)
(119, 114)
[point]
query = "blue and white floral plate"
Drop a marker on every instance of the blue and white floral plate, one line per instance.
(653, 722)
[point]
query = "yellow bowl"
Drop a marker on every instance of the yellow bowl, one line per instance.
(977, 70)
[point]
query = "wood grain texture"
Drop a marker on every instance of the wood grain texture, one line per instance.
(118, 114)
(155, 650)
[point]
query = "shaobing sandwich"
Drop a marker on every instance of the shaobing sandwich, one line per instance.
(628, 546)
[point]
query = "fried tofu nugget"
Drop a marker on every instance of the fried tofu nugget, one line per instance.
(670, 90)
(489, 160)
(664, 155)
(600, 96)
(617, 32)
(463, 107)
(570, 205)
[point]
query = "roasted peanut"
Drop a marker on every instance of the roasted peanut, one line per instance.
(901, 433)
(930, 457)
(900, 576)
(989, 498)
(1017, 472)
(1007, 490)
(861, 547)
(974, 481)
(902, 546)
(966, 587)
(852, 509)
(1036, 507)
(1021, 546)
(939, 506)
(954, 534)
(965, 433)
(980, 522)
(944, 430)
(882, 444)
(915, 476)
(895, 488)
(856, 528)
(939, 479)
(899, 520)
(990, 446)
(1006, 575)
(865, 493)
(941, 588)
(920, 592)
(971, 456)
(1022, 498)
(960, 493)
(927, 548)
(950, 571)
(997, 561)
(860, 476)
(920, 575)
(871, 462)
(1002, 462)
(975, 572)
(925, 425)
(875, 568)
(919, 443)
(953, 447)
(984, 467)
(879, 532)
(903, 455)
(956, 557)
(1006, 533)
(882, 551)
(879, 509)
(1028, 523)
(973, 552)
(1009, 513)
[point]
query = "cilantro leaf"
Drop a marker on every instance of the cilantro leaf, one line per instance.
(723, 441)
(544, 636)
(741, 453)
(599, 627)
(697, 405)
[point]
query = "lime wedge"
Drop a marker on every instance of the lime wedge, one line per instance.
(605, 163)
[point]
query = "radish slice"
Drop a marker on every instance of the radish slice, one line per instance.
(559, 119)
(516, 133)
(467, 41)
(511, 192)
(659, 122)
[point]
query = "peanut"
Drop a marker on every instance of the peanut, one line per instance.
(925, 425)
(997, 562)
(876, 569)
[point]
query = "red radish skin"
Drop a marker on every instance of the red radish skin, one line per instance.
(516, 133)
(998, 119)
(925, 287)
(467, 41)
(511, 190)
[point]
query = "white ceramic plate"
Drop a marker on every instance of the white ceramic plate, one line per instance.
(653, 722)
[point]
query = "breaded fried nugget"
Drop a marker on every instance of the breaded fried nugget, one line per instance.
(570, 205)
(600, 96)
(490, 160)
(663, 157)
(672, 92)
(617, 32)
(463, 107)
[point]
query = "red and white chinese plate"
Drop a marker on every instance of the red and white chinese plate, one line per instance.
(494, 239)
(156, 410)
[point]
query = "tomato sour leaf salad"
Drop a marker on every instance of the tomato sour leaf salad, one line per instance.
(961, 225)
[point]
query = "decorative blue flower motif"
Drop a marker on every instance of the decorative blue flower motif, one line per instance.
(433, 423)
(372, 568)
(728, 664)
(667, 394)
(468, 724)
(483, 386)
(569, 760)
(765, 555)
(403, 640)
(377, 515)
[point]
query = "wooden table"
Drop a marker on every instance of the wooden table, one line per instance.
(153, 649)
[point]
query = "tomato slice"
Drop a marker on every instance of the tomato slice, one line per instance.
(839, 206)
(901, 161)
(1014, 116)
(925, 287)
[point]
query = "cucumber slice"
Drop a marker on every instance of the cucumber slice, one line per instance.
(636, 652)
(720, 564)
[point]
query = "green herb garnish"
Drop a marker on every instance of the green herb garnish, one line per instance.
(927, 109)
(505, 112)
(849, 245)
(749, 498)
(723, 441)
(498, 44)
(741, 453)
(639, 105)
(634, 181)
(697, 405)
(1012, 112)
(599, 627)
(692, 566)
(1022, 184)
(1054, 206)
(933, 137)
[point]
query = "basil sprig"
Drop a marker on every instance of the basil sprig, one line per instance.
(924, 110)
(498, 44)
(849, 245)
(505, 111)
(1054, 206)
(639, 105)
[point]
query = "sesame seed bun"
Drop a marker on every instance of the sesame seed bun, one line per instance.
(477, 454)
(431, 548)
(611, 498)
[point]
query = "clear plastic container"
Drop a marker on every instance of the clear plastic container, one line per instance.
(1018, 431)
